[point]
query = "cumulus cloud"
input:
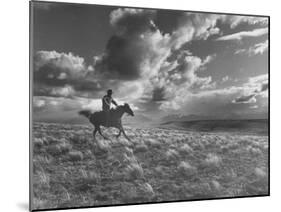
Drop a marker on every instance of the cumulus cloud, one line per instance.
(243, 34)
(245, 99)
(258, 79)
(219, 101)
(74, 65)
(66, 91)
(62, 74)
(225, 79)
(256, 86)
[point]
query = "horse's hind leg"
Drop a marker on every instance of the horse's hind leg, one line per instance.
(117, 136)
(95, 132)
(122, 130)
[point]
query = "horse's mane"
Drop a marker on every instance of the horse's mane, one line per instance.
(117, 108)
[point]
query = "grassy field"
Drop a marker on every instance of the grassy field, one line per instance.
(71, 169)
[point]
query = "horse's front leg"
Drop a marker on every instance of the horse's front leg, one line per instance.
(104, 137)
(119, 127)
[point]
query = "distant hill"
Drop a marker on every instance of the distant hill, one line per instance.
(251, 126)
(194, 117)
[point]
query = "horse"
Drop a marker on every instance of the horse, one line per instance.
(99, 119)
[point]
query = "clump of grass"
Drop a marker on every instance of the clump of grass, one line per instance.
(186, 169)
(128, 192)
(153, 143)
(264, 146)
(65, 147)
(147, 190)
(134, 171)
(172, 154)
(215, 185)
(185, 149)
(90, 177)
(124, 141)
(75, 155)
(88, 153)
(43, 178)
(224, 149)
(260, 173)
(51, 140)
(38, 142)
(212, 160)
(129, 152)
(39, 203)
(140, 148)
(129, 158)
(197, 146)
(54, 149)
(160, 170)
(229, 176)
(103, 145)
(254, 151)
(43, 159)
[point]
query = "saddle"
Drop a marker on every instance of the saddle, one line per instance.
(108, 117)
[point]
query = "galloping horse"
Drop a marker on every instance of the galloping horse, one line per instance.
(99, 119)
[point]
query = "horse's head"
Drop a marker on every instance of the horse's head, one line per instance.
(128, 109)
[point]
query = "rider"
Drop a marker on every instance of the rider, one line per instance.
(106, 103)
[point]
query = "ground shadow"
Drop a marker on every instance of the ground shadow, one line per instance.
(23, 205)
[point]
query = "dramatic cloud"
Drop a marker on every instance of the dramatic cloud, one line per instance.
(264, 87)
(139, 49)
(257, 49)
(139, 52)
(216, 100)
(158, 94)
(240, 35)
(155, 69)
(132, 21)
(235, 20)
(194, 26)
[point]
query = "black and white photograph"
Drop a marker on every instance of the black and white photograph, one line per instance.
(138, 105)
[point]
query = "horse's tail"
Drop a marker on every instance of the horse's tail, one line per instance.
(86, 113)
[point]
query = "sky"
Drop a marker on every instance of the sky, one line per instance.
(161, 62)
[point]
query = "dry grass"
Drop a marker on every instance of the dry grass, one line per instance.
(71, 169)
(186, 169)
